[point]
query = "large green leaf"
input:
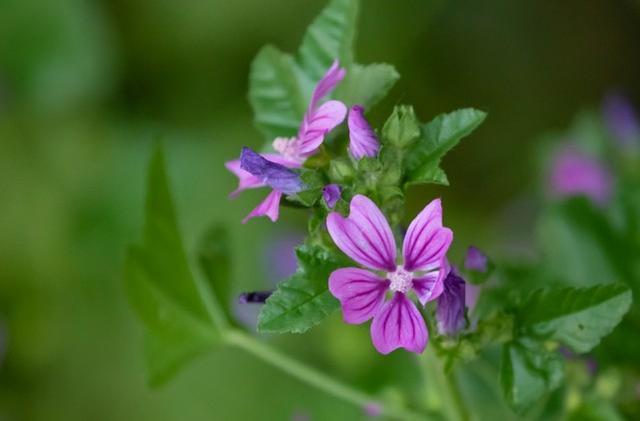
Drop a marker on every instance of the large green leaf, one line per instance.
(275, 93)
(162, 288)
(581, 247)
(576, 317)
(215, 263)
(527, 373)
(367, 84)
(281, 86)
(303, 300)
(438, 137)
(329, 37)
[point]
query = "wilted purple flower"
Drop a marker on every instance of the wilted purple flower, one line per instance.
(274, 175)
(621, 119)
(476, 260)
(292, 153)
(362, 139)
(451, 304)
(331, 194)
(365, 236)
(267, 173)
(576, 173)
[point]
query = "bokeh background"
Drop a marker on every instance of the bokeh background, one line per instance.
(85, 87)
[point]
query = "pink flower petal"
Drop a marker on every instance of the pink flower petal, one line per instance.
(270, 207)
(245, 179)
(317, 123)
(360, 292)
(327, 83)
(399, 325)
(429, 286)
(365, 235)
(362, 139)
(426, 242)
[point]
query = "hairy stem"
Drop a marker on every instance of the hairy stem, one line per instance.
(315, 378)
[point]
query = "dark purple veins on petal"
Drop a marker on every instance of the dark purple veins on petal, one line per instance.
(450, 312)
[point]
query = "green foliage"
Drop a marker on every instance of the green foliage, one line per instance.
(528, 372)
(401, 128)
(581, 247)
(280, 85)
(329, 37)
(303, 300)
(439, 136)
(162, 288)
(314, 182)
(215, 262)
(576, 317)
(367, 84)
(274, 93)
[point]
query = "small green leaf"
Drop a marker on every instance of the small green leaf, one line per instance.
(341, 170)
(528, 372)
(330, 36)
(314, 182)
(275, 94)
(401, 128)
(161, 286)
(576, 317)
(303, 300)
(438, 137)
(367, 84)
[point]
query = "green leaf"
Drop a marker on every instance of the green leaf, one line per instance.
(162, 288)
(275, 94)
(528, 372)
(303, 300)
(581, 247)
(314, 182)
(367, 84)
(330, 36)
(438, 137)
(215, 262)
(402, 127)
(576, 317)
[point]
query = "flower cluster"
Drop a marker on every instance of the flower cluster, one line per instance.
(383, 287)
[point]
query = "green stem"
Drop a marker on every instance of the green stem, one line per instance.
(442, 390)
(314, 377)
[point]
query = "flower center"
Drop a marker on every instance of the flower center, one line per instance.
(287, 147)
(400, 280)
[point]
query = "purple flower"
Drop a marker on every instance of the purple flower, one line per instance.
(476, 260)
(365, 236)
(575, 173)
(451, 304)
(331, 194)
(362, 139)
(317, 122)
(274, 175)
(621, 119)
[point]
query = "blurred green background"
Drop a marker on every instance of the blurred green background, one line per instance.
(85, 86)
